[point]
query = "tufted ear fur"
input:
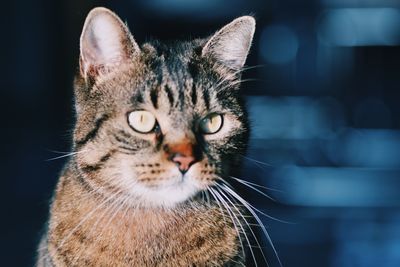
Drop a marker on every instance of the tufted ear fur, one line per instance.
(105, 43)
(231, 44)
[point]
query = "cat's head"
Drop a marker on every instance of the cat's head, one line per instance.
(158, 124)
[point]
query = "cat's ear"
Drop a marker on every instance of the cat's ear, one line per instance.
(105, 43)
(230, 45)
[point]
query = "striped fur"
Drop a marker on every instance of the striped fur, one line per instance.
(121, 201)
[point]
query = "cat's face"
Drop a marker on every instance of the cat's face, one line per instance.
(158, 124)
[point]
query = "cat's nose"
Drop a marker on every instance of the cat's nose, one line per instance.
(183, 162)
(183, 154)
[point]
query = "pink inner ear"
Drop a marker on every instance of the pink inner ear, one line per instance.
(89, 48)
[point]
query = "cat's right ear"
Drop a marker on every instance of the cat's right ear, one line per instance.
(105, 43)
(231, 44)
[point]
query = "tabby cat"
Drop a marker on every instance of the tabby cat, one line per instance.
(158, 128)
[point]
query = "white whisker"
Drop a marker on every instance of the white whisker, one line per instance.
(232, 75)
(251, 230)
(255, 189)
(257, 161)
(115, 207)
(218, 203)
(237, 82)
(207, 197)
(85, 219)
(256, 185)
(259, 211)
(233, 217)
(245, 203)
(66, 155)
(58, 152)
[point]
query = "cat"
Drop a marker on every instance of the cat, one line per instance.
(158, 129)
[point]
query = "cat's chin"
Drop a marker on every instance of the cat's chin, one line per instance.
(166, 196)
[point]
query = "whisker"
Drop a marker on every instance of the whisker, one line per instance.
(257, 161)
(116, 206)
(219, 204)
(252, 67)
(207, 197)
(233, 217)
(255, 189)
(203, 197)
(245, 203)
(85, 219)
(257, 185)
(93, 228)
(58, 152)
(259, 211)
(233, 76)
(251, 230)
(66, 155)
(236, 82)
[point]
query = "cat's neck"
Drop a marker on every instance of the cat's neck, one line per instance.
(80, 223)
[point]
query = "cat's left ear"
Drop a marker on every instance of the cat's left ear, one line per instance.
(231, 44)
(105, 43)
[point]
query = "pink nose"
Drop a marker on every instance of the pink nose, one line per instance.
(183, 162)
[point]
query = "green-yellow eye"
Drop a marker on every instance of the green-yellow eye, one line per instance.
(211, 124)
(142, 121)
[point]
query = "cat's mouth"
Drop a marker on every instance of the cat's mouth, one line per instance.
(161, 183)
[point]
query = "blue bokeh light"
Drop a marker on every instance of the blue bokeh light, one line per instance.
(278, 44)
(360, 27)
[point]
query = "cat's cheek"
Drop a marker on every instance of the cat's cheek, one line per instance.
(201, 176)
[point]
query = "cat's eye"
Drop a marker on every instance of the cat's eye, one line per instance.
(142, 121)
(211, 124)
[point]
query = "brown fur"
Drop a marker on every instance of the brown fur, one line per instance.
(114, 204)
(192, 235)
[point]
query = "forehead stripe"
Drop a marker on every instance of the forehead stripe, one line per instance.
(194, 94)
(206, 98)
(154, 97)
(169, 95)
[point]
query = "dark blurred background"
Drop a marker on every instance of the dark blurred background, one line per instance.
(325, 108)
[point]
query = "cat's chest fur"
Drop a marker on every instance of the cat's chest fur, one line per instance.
(82, 234)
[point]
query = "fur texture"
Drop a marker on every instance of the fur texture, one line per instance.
(123, 198)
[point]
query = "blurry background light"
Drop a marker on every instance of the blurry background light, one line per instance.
(358, 3)
(278, 44)
(360, 27)
(338, 187)
(365, 148)
(195, 9)
(294, 117)
(373, 148)
(367, 243)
